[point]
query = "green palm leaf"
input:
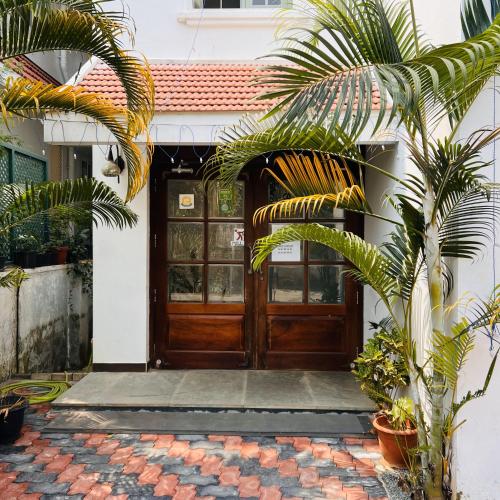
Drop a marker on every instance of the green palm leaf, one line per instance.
(73, 198)
(28, 99)
(370, 264)
(475, 17)
(30, 26)
(13, 278)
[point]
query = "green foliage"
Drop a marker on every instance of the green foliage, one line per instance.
(381, 368)
(402, 414)
(26, 243)
(84, 26)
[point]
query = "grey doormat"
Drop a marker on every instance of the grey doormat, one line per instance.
(241, 423)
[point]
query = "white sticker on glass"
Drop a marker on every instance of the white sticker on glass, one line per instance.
(238, 237)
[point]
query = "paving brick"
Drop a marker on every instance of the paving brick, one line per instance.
(302, 443)
(16, 458)
(288, 468)
(121, 455)
(180, 470)
(275, 479)
(270, 493)
(90, 459)
(104, 468)
(206, 445)
(150, 474)
(135, 465)
(128, 485)
(269, 457)
(284, 440)
(166, 485)
(233, 443)
(29, 496)
(229, 476)
(249, 486)
(95, 440)
(309, 477)
(48, 488)
(108, 447)
(99, 492)
(211, 465)
(149, 437)
(194, 457)
(59, 463)
(7, 478)
(14, 490)
(213, 437)
(71, 473)
(190, 437)
(84, 483)
(250, 450)
(81, 435)
(27, 467)
(198, 480)
(164, 441)
(218, 491)
(302, 492)
(36, 477)
(27, 438)
(186, 492)
(178, 449)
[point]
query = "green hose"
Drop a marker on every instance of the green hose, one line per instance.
(36, 391)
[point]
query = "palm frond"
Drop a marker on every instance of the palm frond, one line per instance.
(251, 139)
(73, 198)
(369, 263)
(13, 278)
(29, 27)
(301, 175)
(450, 354)
(29, 99)
(476, 18)
(371, 49)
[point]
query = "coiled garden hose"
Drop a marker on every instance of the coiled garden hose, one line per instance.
(36, 391)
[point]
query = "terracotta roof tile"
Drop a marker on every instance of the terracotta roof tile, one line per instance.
(192, 87)
(26, 68)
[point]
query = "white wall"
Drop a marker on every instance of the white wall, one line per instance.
(121, 282)
(479, 479)
(171, 29)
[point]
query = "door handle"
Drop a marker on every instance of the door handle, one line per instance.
(250, 268)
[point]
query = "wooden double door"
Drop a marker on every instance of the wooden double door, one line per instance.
(211, 310)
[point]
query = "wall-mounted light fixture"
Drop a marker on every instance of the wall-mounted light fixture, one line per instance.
(112, 167)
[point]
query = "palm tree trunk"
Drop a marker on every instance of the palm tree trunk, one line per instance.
(434, 488)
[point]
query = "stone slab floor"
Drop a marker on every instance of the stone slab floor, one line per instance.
(269, 389)
(137, 466)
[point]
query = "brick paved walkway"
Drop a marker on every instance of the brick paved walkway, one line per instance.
(120, 466)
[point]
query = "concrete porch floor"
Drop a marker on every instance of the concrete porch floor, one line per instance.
(245, 389)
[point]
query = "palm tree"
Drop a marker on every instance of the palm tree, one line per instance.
(30, 26)
(324, 100)
(73, 199)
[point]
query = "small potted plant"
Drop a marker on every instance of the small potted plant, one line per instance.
(397, 433)
(59, 239)
(12, 408)
(25, 251)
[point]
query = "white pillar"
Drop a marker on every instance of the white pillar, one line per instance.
(121, 281)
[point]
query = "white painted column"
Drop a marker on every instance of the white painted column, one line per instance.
(121, 281)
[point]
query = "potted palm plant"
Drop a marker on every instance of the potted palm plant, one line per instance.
(397, 433)
(12, 408)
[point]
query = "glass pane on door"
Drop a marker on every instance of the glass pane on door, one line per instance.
(326, 285)
(226, 241)
(226, 283)
(185, 241)
(185, 199)
(226, 202)
(185, 283)
(286, 284)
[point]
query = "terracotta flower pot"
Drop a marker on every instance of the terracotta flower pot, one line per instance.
(62, 255)
(394, 445)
